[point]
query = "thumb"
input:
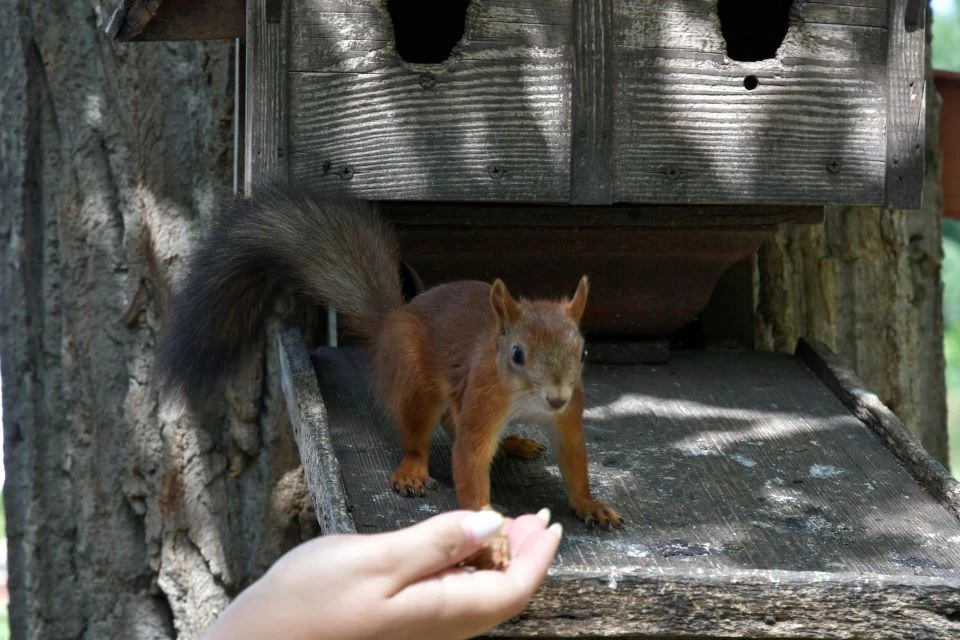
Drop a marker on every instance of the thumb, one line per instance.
(437, 543)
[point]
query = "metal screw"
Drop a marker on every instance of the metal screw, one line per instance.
(427, 80)
(495, 172)
(834, 166)
(672, 173)
(345, 173)
(279, 152)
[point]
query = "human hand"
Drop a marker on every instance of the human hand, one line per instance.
(402, 584)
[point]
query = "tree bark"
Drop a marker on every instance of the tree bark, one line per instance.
(127, 518)
(867, 283)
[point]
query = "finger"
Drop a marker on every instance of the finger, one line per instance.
(474, 602)
(517, 530)
(533, 555)
(434, 544)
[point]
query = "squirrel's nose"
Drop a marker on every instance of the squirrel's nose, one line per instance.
(556, 402)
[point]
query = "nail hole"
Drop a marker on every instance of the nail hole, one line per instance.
(426, 31)
(753, 29)
(750, 83)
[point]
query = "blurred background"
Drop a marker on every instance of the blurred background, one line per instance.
(946, 56)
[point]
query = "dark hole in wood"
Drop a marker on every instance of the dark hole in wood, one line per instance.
(753, 29)
(750, 83)
(426, 31)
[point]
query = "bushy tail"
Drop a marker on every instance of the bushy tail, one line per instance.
(336, 253)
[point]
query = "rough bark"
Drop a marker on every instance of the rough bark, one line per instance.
(867, 283)
(127, 517)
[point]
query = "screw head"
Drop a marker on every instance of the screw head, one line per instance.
(834, 166)
(495, 172)
(672, 173)
(427, 80)
(345, 172)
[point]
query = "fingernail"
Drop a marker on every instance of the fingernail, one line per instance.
(482, 525)
(556, 529)
(544, 514)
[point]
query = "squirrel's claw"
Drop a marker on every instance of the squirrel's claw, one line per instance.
(598, 514)
(411, 482)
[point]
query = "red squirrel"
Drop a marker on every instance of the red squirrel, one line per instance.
(465, 354)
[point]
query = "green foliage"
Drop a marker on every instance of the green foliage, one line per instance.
(946, 39)
(946, 55)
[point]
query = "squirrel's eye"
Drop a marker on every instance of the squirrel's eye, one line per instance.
(516, 354)
(583, 354)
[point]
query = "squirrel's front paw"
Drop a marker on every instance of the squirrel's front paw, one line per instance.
(597, 513)
(411, 480)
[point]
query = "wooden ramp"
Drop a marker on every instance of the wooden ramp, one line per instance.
(765, 496)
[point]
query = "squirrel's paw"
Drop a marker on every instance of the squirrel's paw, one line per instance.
(595, 513)
(494, 554)
(411, 480)
(520, 447)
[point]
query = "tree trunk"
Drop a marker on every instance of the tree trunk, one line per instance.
(126, 518)
(867, 283)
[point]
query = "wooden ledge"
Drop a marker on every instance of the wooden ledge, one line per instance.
(758, 505)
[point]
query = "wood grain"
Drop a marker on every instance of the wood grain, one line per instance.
(847, 386)
(591, 155)
(611, 101)
(689, 131)
(307, 412)
(490, 123)
(757, 506)
(266, 108)
(906, 105)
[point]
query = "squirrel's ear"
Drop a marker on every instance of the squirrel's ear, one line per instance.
(576, 306)
(503, 305)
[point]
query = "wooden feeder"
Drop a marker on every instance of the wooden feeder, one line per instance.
(650, 144)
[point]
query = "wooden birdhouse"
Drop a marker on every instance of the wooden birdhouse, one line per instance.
(778, 102)
(602, 102)
(650, 144)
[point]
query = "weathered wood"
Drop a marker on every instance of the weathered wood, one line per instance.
(865, 404)
(266, 108)
(489, 123)
(906, 104)
(306, 408)
(591, 176)
(144, 20)
(687, 129)
(633, 102)
(757, 506)
(867, 283)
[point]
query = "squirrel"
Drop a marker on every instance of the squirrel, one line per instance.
(465, 354)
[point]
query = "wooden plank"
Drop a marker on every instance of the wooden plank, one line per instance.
(480, 130)
(490, 123)
(308, 417)
(906, 104)
(266, 95)
(757, 506)
(239, 114)
(689, 130)
(848, 387)
(591, 180)
(500, 215)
